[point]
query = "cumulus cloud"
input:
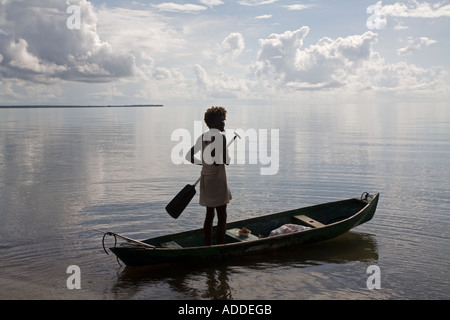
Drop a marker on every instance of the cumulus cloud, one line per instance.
(415, 45)
(37, 45)
(278, 55)
(348, 63)
(232, 46)
(18, 58)
(415, 9)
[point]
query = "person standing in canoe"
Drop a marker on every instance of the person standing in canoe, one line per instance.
(214, 191)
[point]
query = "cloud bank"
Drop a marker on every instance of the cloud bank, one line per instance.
(349, 64)
(150, 53)
(36, 45)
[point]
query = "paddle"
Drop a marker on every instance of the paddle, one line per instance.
(182, 199)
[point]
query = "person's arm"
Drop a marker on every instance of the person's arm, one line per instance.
(226, 156)
(190, 156)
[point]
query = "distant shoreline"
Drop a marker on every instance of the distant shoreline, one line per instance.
(80, 106)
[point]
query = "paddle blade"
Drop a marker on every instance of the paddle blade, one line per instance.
(181, 200)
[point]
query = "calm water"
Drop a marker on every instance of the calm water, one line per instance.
(64, 172)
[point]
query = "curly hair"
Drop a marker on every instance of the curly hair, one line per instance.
(213, 114)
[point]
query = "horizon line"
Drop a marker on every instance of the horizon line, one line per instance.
(79, 106)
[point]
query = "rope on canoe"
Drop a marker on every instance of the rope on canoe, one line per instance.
(103, 240)
(115, 243)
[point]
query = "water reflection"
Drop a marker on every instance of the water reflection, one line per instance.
(220, 279)
(65, 172)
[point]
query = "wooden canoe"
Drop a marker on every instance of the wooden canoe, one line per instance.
(325, 221)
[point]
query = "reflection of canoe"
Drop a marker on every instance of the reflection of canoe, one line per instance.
(326, 221)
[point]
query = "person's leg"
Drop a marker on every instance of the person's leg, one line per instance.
(208, 226)
(222, 223)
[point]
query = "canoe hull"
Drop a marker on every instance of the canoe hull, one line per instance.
(336, 218)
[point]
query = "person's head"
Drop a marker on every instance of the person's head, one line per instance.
(215, 118)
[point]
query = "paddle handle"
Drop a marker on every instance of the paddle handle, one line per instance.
(228, 145)
(232, 140)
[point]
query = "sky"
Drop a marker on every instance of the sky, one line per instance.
(218, 52)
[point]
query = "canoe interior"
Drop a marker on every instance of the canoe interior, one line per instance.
(326, 214)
